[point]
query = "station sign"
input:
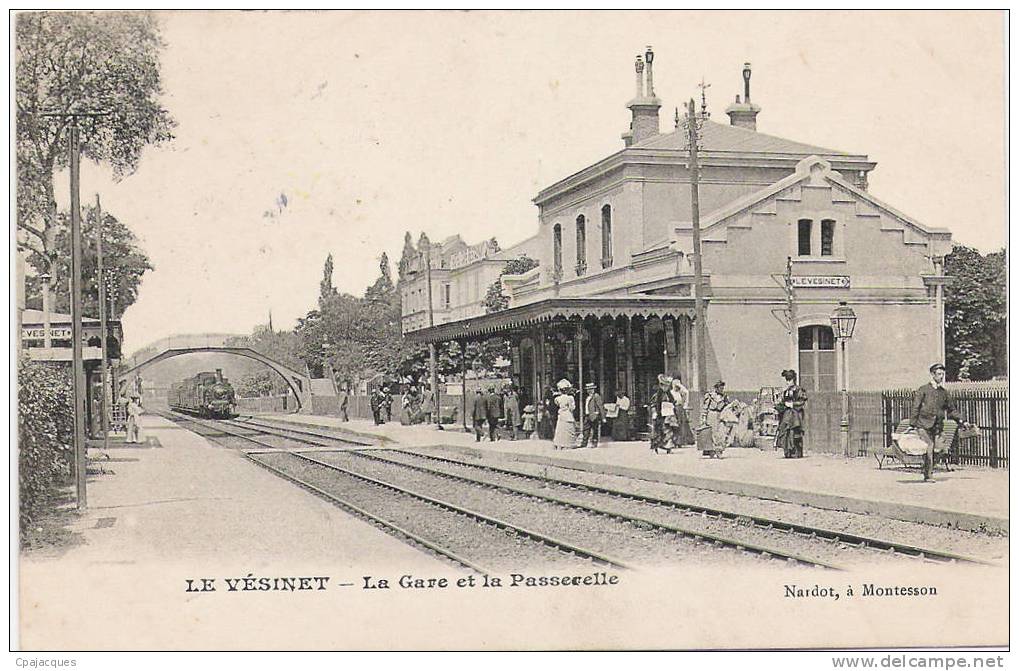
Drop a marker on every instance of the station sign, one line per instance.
(820, 281)
(39, 333)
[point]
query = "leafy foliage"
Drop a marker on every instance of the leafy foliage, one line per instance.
(124, 265)
(494, 300)
(81, 62)
(976, 310)
(45, 434)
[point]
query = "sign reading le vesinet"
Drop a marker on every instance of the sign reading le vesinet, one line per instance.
(821, 281)
(39, 333)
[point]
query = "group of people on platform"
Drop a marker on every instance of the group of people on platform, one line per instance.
(492, 408)
(555, 415)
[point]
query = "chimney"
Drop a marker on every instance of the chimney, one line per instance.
(744, 114)
(219, 375)
(644, 107)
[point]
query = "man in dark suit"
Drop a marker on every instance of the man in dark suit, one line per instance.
(493, 412)
(930, 406)
(479, 412)
(593, 416)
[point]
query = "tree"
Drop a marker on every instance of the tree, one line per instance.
(124, 265)
(976, 310)
(81, 61)
(494, 300)
(326, 288)
(407, 257)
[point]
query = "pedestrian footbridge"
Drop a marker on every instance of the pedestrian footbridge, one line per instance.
(299, 382)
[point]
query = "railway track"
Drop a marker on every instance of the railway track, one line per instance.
(838, 537)
(757, 535)
(459, 526)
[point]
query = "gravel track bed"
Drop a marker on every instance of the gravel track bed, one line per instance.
(976, 544)
(488, 546)
(817, 548)
(629, 542)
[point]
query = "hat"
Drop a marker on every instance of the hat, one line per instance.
(937, 366)
(789, 374)
(718, 384)
(589, 385)
(563, 384)
(664, 379)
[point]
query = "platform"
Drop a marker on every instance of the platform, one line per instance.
(179, 508)
(967, 498)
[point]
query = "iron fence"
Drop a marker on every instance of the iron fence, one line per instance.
(986, 408)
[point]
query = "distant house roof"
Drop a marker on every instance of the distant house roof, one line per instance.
(723, 137)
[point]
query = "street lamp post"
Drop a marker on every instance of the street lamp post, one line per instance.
(843, 322)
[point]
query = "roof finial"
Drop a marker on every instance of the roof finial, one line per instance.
(677, 118)
(649, 57)
(638, 67)
(704, 98)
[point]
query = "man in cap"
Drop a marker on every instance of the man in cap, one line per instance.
(593, 416)
(479, 412)
(930, 406)
(493, 413)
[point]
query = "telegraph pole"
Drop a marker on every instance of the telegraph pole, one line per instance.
(433, 355)
(103, 408)
(77, 364)
(702, 332)
(790, 299)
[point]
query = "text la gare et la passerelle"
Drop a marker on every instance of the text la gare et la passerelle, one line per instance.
(253, 583)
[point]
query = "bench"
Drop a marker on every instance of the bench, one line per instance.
(942, 447)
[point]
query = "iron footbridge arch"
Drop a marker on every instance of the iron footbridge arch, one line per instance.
(298, 382)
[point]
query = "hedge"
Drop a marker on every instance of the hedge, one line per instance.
(45, 434)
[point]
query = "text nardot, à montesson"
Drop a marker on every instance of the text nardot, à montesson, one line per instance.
(866, 589)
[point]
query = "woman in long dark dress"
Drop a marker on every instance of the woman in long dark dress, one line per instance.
(549, 411)
(790, 417)
(621, 423)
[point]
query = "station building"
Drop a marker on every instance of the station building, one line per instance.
(788, 231)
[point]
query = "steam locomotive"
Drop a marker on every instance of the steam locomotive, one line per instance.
(205, 394)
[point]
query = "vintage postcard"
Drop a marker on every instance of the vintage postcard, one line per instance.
(510, 330)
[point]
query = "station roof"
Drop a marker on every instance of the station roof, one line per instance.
(725, 138)
(547, 310)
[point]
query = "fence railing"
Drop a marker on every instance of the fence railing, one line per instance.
(987, 408)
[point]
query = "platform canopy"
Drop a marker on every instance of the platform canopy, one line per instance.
(552, 309)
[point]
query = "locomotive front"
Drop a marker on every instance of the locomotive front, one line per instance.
(219, 397)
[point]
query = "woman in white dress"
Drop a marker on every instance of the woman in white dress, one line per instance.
(565, 428)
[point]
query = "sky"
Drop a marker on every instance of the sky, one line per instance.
(376, 123)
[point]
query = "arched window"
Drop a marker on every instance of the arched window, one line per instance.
(827, 237)
(817, 358)
(606, 236)
(581, 245)
(803, 243)
(557, 250)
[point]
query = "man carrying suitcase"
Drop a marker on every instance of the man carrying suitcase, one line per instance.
(931, 405)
